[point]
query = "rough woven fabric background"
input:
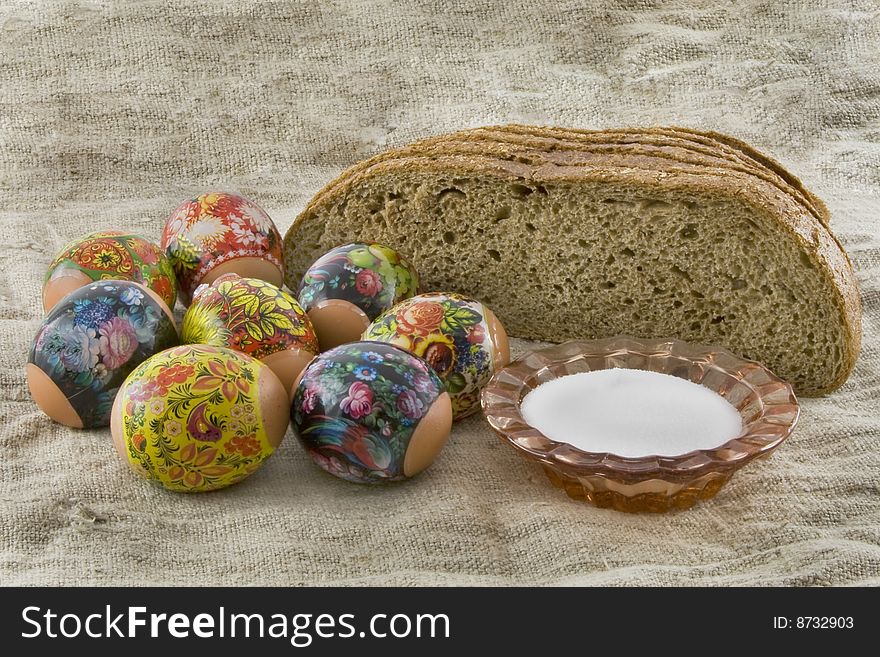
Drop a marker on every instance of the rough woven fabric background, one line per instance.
(113, 112)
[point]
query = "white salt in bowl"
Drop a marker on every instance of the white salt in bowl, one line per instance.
(655, 483)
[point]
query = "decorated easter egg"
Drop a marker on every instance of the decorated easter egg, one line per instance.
(370, 412)
(88, 343)
(459, 337)
(256, 318)
(218, 233)
(198, 418)
(348, 287)
(105, 256)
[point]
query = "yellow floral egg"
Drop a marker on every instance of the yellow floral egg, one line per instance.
(255, 318)
(198, 418)
(460, 337)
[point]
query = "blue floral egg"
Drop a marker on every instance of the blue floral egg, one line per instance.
(369, 412)
(89, 343)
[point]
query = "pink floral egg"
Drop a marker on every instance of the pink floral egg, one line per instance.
(369, 412)
(220, 233)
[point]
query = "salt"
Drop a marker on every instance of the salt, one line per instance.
(631, 413)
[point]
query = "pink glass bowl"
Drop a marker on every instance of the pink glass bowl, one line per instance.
(766, 403)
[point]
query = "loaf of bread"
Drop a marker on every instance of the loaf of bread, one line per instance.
(661, 232)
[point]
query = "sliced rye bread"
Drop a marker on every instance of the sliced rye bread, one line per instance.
(478, 147)
(568, 234)
(477, 142)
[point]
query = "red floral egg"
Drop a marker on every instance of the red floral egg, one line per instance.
(218, 233)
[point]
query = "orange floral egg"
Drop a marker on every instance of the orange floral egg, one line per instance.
(459, 337)
(109, 255)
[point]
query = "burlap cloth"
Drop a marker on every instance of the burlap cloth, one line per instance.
(111, 113)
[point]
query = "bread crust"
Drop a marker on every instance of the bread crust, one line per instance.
(703, 144)
(692, 141)
(722, 144)
(754, 178)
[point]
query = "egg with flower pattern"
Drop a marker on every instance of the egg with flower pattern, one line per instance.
(109, 255)
(197, 417)
(369, 412)
(351, 285)
(256, 318)
(218, 233)
(460, 337)
(88, 344)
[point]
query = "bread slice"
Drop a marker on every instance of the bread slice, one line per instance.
(574, 234)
